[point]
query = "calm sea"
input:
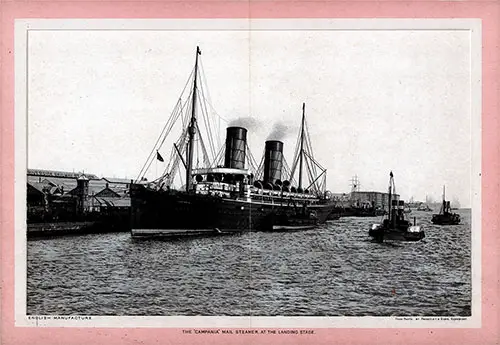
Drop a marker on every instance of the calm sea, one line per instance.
(330, 271)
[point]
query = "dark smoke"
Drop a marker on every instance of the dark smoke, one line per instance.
(279, 132)
(246, 122)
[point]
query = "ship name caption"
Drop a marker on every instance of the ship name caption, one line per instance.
(249, 331)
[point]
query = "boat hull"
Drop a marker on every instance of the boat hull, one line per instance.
(396, 235)
(382, 232)
(446, 219)
(212, 215)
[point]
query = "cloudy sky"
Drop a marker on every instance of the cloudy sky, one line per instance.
(375, 100)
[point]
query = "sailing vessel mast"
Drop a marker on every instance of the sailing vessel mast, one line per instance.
(192, 126)
(390, 196)
(301, 153)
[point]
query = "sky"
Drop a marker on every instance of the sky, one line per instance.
(376, 101)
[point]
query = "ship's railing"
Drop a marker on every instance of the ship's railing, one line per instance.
(280, 197)
(247, 192)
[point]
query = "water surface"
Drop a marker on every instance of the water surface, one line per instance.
(335, 270)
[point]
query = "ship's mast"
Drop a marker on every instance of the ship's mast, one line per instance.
(445, 209)
(390, 195)
(192, 126)
(301, 154)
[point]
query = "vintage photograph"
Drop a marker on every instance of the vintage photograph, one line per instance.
(270, 170)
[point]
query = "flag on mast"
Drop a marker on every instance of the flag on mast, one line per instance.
(159, 157)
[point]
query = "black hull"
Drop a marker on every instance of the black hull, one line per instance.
(152, 209)
(446, 219)
(396, 235)
(397, 231)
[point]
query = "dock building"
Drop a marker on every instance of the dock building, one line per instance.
(377, 200)
(66, 196)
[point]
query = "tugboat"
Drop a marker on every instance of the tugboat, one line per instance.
(395, 227)
(225, 190)
(445, 216)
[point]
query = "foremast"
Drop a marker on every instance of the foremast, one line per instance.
(301, 153)
(192, 126)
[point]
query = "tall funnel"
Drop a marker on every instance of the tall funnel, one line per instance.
(236, 142)
(273, 161)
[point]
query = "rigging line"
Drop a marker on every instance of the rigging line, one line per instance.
(309, 153)
(260, 171)
(287, 171)
(204, 77)
(180, 176)
(198, 148)
(149, 165)
(309, 171)
(175, 113)
(211, 131)
(188, 81)
(170, 128)
(187, 113)
(216, 113)
(171, 173)
(312, 164)
(295, 161)
(175, 166)
(217, 158)
(255, 166)
(309, 139)
(162, 177)
(142, 171)
(206, 120)
(314, 161)
(207, 99)
(253, 161)
(317, 178)
(208, 102)
(174, 156)
(221, 156)
(286, 168)
(172, 123)
(249, 154)
(204, 150)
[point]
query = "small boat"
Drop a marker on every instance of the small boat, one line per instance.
(395, 227)
(445, 216)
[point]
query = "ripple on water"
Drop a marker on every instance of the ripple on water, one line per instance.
(330, 271)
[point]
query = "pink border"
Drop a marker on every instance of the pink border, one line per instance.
(488, 11)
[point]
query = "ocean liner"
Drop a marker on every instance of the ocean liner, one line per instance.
(229, 192)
